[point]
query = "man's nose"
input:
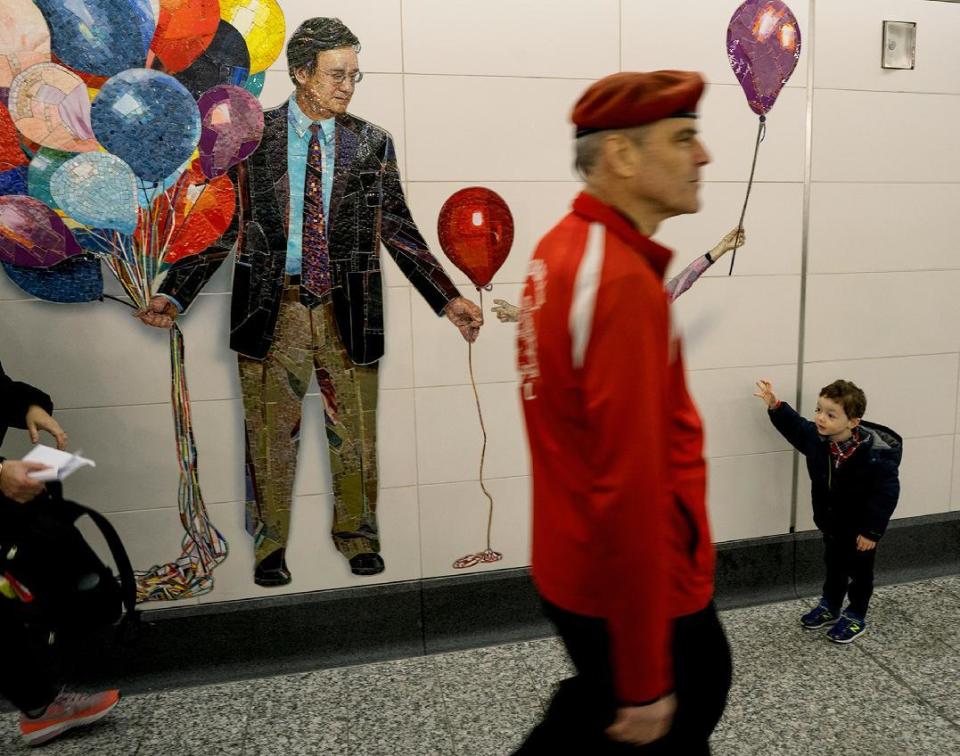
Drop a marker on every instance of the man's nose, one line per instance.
(702, 156)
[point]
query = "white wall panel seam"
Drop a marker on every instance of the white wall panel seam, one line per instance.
(804, 248)
(881, 357)
(486, 478)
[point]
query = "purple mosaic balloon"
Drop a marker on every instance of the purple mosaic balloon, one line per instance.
(232, 124)
(32, 235)
(763, 44)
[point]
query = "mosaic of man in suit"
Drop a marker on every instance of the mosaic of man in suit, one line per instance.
(315, 202)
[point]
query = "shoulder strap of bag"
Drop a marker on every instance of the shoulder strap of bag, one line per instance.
(128, 586)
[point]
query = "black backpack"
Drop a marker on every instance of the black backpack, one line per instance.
(69, 589)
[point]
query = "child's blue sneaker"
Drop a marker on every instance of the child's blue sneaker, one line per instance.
(850, 626)
(820, 616)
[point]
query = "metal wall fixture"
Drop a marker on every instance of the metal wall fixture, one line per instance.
(899, 45)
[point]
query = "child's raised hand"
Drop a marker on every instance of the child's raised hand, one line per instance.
(765, 392)
(865, 544)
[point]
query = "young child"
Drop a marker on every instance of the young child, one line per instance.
(853, 468)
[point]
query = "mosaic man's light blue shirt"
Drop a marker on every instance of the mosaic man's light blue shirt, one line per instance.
(298, 143)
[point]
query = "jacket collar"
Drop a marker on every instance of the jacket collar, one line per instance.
(588, 206)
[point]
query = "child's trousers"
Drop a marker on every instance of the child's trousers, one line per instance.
(849, 572)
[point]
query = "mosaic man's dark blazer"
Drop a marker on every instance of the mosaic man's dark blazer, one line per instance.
(367, 207)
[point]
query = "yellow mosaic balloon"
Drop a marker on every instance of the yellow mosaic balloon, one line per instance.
(262, 25)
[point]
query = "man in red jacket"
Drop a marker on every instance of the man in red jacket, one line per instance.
(622, 553)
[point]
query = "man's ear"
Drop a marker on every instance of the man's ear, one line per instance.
(300, 76)
(620, 155)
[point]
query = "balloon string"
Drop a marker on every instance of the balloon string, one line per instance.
(761, 135)
(483, 430)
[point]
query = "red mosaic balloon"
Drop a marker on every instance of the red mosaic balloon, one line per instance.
(476, 232)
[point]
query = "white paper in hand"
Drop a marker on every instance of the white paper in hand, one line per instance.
(60, 464)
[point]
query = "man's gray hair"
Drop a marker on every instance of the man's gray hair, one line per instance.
(587, 148)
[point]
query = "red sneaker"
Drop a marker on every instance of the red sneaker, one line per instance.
(67, 711)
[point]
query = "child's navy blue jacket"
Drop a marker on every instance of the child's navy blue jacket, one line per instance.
(862, 493)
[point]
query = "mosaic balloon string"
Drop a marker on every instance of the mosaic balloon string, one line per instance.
(476, 232)
(203, 547)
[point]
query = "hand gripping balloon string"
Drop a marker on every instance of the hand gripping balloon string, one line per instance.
(761, 135)
(488, 555)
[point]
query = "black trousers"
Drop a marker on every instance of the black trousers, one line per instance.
(849, 572)
(26, 668)
(585, 705)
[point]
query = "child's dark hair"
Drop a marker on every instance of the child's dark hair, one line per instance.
(849, 396)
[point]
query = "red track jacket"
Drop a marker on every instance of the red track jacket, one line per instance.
(620, 526)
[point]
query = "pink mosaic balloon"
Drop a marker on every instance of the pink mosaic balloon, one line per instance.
(50, 106)
(232, 124)
(763, 45)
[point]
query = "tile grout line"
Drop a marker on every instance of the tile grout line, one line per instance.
(413, 366)
(893, 674)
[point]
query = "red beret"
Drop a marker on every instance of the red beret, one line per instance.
(627, 99)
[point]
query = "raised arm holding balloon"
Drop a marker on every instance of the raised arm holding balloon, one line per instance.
(510, 313)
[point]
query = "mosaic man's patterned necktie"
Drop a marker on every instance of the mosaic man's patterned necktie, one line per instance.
(316, 256)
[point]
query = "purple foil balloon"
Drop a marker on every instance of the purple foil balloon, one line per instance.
(232, 124)
(763, 44)
(32, 235)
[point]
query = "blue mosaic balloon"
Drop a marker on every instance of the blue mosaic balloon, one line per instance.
(14, 181)
(148, 120)
(76, 279)
(98, 190)
(102, 37)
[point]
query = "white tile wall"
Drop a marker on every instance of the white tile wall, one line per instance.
(480, 93)
(925, 476)
(884, 137)
(860, 228)
(849, 41)
(882, 315)
(506, 129)
(738, 322)
(542, 38)
(749, 496)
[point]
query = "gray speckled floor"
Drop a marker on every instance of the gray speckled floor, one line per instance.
(895, 691)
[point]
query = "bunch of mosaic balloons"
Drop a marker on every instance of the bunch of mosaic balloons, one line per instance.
(118, 117)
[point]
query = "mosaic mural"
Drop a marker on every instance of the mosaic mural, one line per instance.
(119, 123)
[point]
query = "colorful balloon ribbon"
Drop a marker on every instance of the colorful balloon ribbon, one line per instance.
(203, 546)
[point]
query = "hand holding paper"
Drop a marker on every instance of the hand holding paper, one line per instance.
(59, 464)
